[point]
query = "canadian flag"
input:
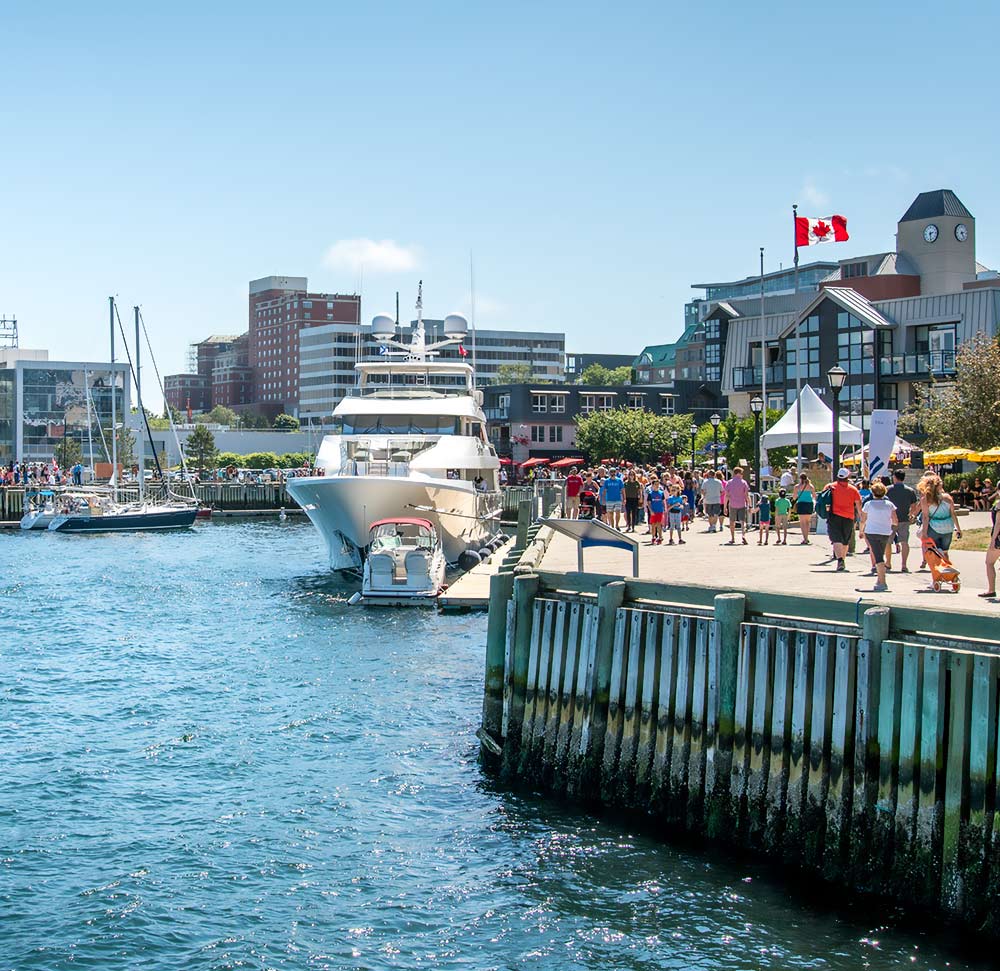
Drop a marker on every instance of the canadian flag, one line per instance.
(824, 229)
(462, 352)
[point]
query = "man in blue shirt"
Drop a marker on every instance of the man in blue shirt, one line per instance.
(612, 495)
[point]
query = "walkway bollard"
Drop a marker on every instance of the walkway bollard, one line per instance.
(501, 591)
(730, 609)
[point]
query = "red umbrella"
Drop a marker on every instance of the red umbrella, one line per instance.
(530, 462)
(506, 462)
(563, 463)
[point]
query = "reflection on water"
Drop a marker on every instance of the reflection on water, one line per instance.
(212, 761)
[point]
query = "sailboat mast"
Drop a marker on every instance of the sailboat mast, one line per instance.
(114, 437)
(90, 420)
(141, 458)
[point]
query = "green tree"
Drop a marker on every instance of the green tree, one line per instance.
(286, 423)
(261, 460)
(219, 415)
(200, 448)
(596, 374)
(966, 410)
(68, 452)
(633, 435)
(513, 374)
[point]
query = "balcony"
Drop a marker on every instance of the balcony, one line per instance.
(750, 377)
(934, 362)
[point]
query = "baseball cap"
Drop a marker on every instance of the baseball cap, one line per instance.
(844, 474)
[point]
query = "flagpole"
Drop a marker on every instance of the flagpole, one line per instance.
(763, 347)
(798, 352)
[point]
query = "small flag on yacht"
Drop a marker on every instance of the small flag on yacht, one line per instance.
(462, 352)
(824, 229)
(383, 350)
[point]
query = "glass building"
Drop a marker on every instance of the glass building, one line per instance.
(42, 402)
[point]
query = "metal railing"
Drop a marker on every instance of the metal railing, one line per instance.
(750, 377)
(934, 362)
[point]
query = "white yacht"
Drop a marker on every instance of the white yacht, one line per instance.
(409, 439)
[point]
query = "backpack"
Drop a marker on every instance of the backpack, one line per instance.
(823, 502)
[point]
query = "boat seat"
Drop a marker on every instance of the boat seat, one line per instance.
(380, 567)
(416, 568)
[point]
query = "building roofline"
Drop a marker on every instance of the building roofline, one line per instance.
(790, 271)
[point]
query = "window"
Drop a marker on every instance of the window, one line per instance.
(713, 374)
(307, 305)
(855, 345)
(712, 330)
(808, 364)
(557, 404)
(712, 354)
(538, 433)
(596, 402)
(849, 270)
(555, 433)
(539, 404)
(636, 401)
(503, 401)
(668, 405)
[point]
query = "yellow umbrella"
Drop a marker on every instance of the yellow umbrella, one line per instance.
(990, 455)
(947, 455)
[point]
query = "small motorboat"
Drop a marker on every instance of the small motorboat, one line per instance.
(39, 509)
(404, 562)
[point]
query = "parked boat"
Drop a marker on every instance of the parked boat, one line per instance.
(39, 509)
(404, 564)
(411, 437)
(101, 514)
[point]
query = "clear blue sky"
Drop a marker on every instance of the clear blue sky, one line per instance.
(597, 159)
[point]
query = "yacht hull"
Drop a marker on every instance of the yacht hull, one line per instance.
(343, 507)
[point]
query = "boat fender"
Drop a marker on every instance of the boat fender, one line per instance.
(484, 554)
(468, 559)
(356, 598)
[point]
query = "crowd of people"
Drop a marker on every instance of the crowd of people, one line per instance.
(35, 475)
(883, 514)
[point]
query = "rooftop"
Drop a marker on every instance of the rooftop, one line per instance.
(938, 202)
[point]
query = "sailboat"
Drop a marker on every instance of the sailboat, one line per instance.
(96, 513)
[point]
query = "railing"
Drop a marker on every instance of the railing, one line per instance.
(934, 362)
(750, 377)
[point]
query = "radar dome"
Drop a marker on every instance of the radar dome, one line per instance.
(383, 327)
(455, 326)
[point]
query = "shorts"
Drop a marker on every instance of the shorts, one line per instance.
(738, 515)
(840, 529)
(765, 519)
(713, 509)
(573, 502)
(613, 506)
(941, 540)
(675, 520)
(655, 518)
(877, 545)
(903, 533)
(804, 508)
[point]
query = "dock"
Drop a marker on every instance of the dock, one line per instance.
(754, 698)
(471, 591)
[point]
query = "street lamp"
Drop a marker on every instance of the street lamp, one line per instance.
(756, 406)
(652, 454)
(694, 431)
(675, 435)
(836, 377)
(715, 419)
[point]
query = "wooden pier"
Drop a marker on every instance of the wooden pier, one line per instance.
(856, 742)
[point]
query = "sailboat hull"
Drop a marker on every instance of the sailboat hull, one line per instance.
(343, 507)
(134, 522)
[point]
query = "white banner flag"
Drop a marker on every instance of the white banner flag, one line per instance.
(881, 439)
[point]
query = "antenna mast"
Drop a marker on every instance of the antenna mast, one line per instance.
(8, 332)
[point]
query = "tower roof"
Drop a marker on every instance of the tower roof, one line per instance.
(939, 202)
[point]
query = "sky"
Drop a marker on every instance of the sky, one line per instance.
(590, 161)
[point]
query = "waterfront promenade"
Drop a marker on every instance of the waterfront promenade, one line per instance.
(705, 560)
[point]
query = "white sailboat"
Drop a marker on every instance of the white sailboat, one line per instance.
(410, 439)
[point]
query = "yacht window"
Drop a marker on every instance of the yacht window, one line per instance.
(400, 424)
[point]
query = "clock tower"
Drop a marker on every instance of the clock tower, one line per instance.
(937, 234)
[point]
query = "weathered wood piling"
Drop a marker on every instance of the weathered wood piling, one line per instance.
(851, 741)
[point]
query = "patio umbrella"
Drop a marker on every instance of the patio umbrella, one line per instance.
(506, 461)
(564, 463)
(952, 454)
(990, 455)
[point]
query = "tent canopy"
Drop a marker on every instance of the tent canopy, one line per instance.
(817, 425)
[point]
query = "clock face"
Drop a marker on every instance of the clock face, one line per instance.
(961, 232)
(930, 233)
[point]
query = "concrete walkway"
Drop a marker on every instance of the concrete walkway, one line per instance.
(793, 569)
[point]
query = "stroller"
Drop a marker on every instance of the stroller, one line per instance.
(940, 566)
(588, 504)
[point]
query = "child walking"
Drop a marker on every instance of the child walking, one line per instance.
(764, 518)
(782, 510)
(656, 504)
(675, 513)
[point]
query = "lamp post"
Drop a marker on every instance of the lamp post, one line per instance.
(694, 431)
(652, 454)
(756, 407)
(675, 435)
(836, 377)
(715, 419)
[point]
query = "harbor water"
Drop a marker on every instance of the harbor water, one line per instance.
(209, 760)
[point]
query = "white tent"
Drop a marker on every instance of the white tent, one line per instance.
(817, 425)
